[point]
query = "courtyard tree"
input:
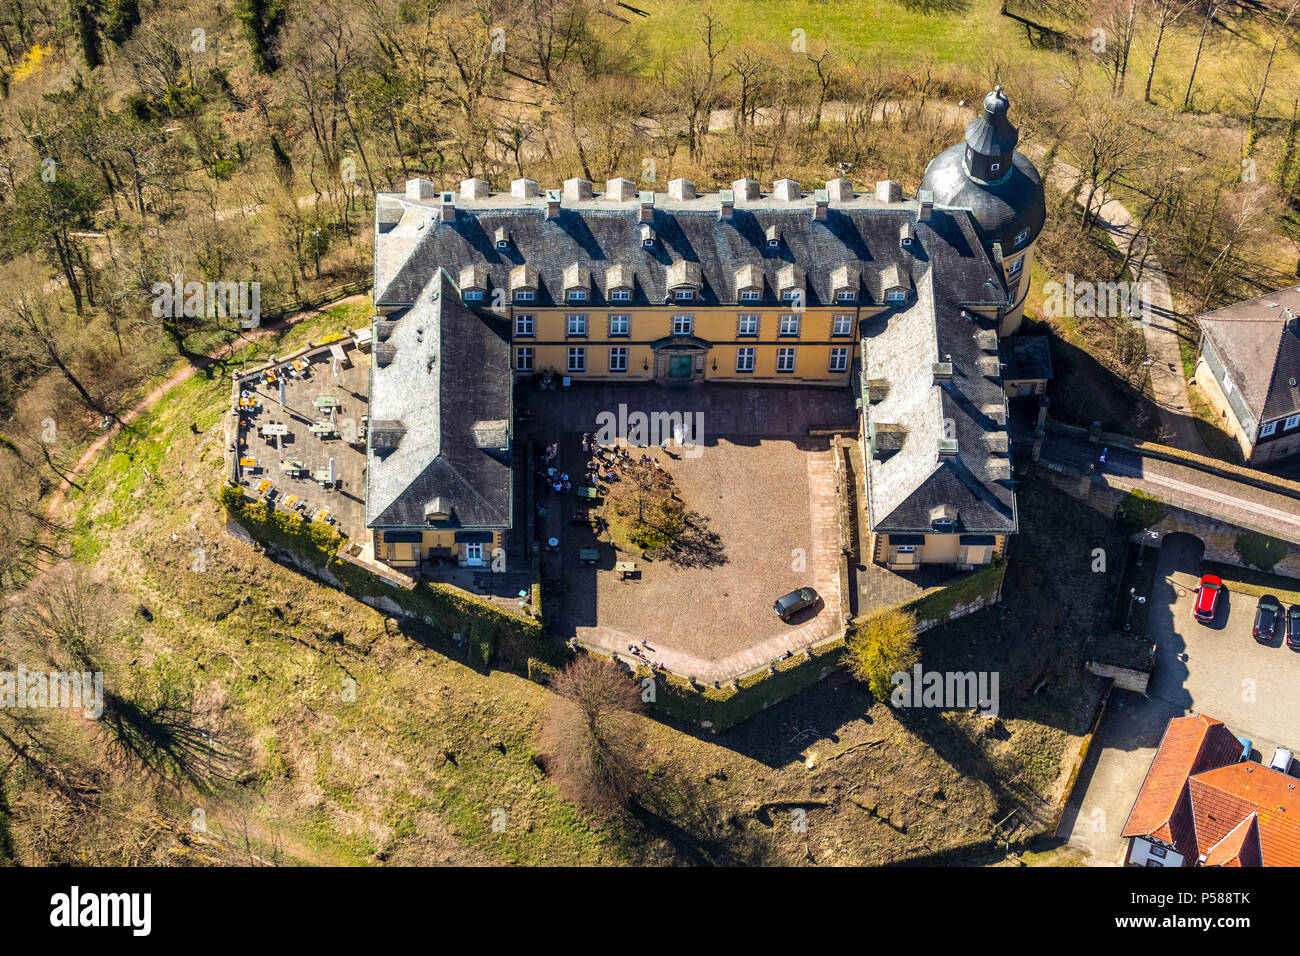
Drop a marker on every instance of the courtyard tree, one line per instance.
(590, 735)
(880, 645)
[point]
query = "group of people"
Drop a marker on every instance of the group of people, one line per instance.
(638, 652)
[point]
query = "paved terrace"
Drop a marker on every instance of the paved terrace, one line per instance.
(295, 408)
(765, 488)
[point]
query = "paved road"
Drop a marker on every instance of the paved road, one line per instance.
(1190, 488)
(1219, 670)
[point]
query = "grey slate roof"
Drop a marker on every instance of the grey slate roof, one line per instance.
(1260, 346)
(1002, 209)
(991, 133)
(1026, 357)
(444, 403)
(602, 236)
(905, 487)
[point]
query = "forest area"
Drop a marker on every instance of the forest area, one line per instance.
(243, 141)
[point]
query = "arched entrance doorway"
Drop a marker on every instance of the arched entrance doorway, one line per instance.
(679, 359)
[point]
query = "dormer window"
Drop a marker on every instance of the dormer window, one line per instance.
(524, 295)
(684, 295)
(750, 295)
(944, 525)
(502, 238)
(995, 167)
(846, 295)
(620, 295)
(789, 295)
(577, 295)
(907, 242)
(896, 295)
(647, 236)
(473, 295)
(773, 237)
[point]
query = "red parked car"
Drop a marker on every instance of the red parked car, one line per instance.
(1207, 598)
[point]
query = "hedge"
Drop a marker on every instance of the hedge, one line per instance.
(938, 605)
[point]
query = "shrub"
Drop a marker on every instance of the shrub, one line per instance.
(1260, 550)
(880, 645)
(1141, 510)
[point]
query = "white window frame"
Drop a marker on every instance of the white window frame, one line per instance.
(1290, 423)
(577, 358)
(846, 295)
(618, 358)
(1266, 431)
(620, 323)
(994, 167)
(785, 356)
(1016, 265)
(473, 295)
(745, 359)
(789, 324)
(577, 295)
(525, 323)
(525, 295)
(683, 324)
(750, 295)
(524, 358)
(905, 549)
(620, 295)
(474, 554)
(791, 295)
(684, 295)
(747, 323)
(575, 324)
(840, 352)
(842, 324)
(896, 295)
(1022, 237)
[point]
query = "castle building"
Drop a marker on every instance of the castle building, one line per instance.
(904, 301)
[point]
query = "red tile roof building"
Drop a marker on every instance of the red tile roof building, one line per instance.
(1202, 805)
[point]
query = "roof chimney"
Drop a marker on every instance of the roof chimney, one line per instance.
(786, 190)
(419, 189)
(822, 198)
(926, 200)
(745, 190)
(576, 190)
(619, 190)
(448, 203)
(727, 203)
(888, 191)
(840, 190)
(474, 189)
(681, 189)
(552, 204)
(647, 200)
(524, 189)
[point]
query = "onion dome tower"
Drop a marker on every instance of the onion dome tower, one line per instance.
(1002, 190)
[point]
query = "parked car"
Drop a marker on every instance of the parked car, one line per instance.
(1207, 598)
(1247, 745)
(1281, 760)
(1293, 627)
(794, 602)
(1267, 613)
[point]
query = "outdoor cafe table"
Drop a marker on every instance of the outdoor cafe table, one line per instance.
(290, 502)
(326, 401)
(322, 515)
(264, 486)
